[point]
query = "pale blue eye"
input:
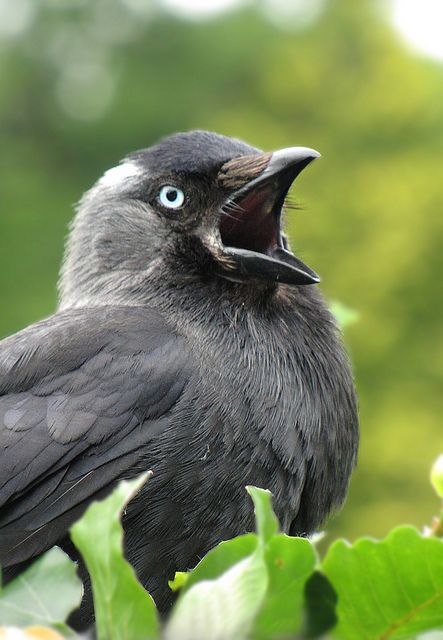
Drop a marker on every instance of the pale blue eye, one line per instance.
(171, 197)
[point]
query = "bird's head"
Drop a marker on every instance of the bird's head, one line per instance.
(197, 205)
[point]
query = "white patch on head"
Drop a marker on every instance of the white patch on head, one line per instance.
(117, 176)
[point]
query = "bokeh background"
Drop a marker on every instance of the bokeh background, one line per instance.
(82, 83)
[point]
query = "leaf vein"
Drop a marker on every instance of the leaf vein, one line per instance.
(35, 596)
(410, 616)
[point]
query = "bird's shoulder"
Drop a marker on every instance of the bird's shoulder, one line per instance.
(68, 340)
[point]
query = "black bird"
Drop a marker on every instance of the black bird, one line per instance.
(189, 340)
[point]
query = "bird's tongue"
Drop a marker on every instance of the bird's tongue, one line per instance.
(251, 223)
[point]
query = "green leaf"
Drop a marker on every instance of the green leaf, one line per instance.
(387, 589)
(265, 518)
(275, 611)
(223, 608)
(344, 315)
(289, 562)
(44, 594)
(221, 558)
(123, 609)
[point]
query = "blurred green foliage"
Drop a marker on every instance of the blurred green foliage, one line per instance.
(83, 83)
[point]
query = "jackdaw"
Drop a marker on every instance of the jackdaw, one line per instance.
(189, 340)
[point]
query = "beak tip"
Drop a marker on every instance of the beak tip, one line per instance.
(313, 278)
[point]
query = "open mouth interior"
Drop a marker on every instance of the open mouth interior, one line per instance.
(253, 246)
(252, 221)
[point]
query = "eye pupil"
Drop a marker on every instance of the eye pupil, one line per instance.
(172, 195)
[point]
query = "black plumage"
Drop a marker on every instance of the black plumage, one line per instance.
(189, 341)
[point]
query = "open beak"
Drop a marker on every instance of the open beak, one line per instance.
(253, 245)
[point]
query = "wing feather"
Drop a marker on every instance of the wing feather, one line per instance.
(82, 396)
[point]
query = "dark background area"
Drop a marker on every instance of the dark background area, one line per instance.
(83, 83)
